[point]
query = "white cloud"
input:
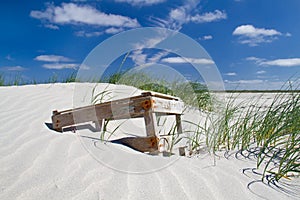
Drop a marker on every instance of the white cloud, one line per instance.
(288, 62)
(285, 62)
(84, 67)
(179, 60)
(138, 57)
(206, 37)
(157, 57)
(14, 68)
(230, 74)
(209, 17)
(178, 14)
(60, 66)
(261, 72)
(288, 35)
(88, 34)
(51, 26)
(253, 36)
(52, 58)
(254, 81)
(141, 2)
(255, 59)
(181, 15)
(70, 13)
(113, 30)
(252, 58)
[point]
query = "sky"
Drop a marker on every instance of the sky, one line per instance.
(255, 44)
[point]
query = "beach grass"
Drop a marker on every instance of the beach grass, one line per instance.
(192, 93)
(274, 129)
(2, 80)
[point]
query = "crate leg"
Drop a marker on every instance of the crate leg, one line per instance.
(178, 124)
(150, 122)
(99, 124)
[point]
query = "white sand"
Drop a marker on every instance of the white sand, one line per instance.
(38, 163)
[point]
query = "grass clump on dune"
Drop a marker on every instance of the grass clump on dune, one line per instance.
(273, 128)
(192, 93)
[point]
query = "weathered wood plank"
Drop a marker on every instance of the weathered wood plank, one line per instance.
(167, 106)
(160, 95)
(150, 123)
(122, 109)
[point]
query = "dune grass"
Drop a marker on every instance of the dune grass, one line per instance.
(2, 80)
(274, 129)
(192, 93)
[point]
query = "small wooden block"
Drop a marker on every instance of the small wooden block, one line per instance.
(181, 151)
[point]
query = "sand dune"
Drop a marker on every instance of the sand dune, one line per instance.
(39, 163)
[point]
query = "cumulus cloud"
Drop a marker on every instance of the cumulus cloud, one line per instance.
(113, 30)
(187, 13)
(254, 81)
(60, 66)
(71, 13)
(141, 2)
(209, 17)
(52, 58)
(14, 68)
(51, 26)
(261, 72)
(178, 60)
(231, 74)
(248, 34)
(206, 37)
(181, 15)
(56, 62)
(138, 57)
(284, 62)
(88, 34)
(252, 58)
(157, 57)
(288, 62)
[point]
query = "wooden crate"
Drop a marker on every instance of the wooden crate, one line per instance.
(145, 105)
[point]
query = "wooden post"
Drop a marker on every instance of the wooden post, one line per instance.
(178, 124)
(150, 122)
(99, 124)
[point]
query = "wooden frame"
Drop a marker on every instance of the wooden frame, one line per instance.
(144, 105)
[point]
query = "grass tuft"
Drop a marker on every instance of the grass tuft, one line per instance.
(273, 128)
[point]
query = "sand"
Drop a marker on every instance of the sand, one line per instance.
(39, 163)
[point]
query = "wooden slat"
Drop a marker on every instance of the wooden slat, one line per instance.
(160, 95)
(167, 106)
(150, 123)
(118, 109)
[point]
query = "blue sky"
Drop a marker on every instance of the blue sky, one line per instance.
(254, 43)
